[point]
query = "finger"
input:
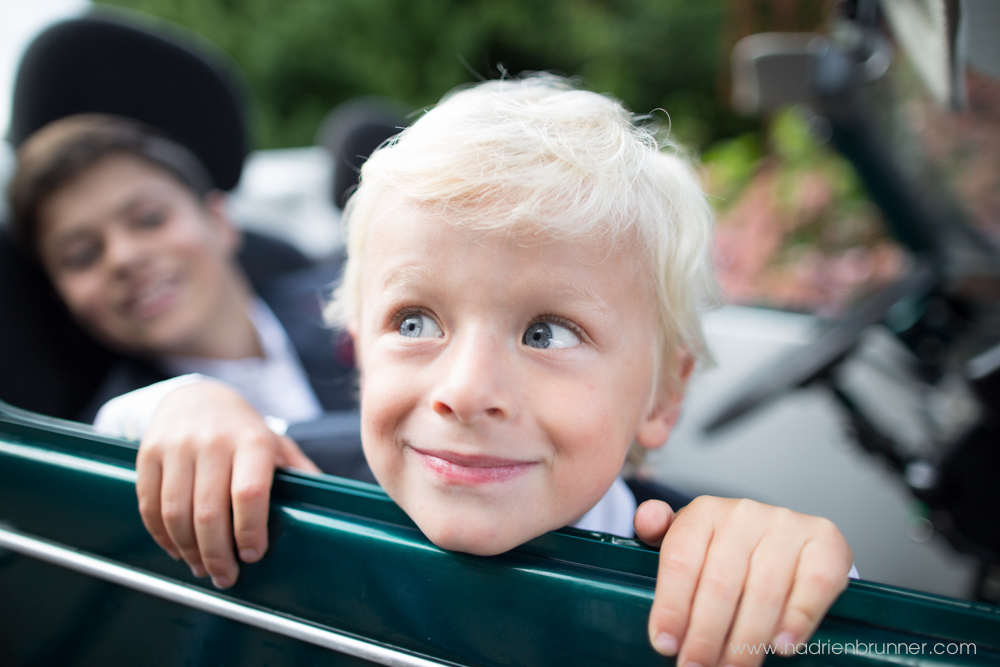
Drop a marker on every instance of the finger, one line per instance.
(212, 515)
(651, 522)
(681, 558)
(720, 587)
(149, 478)
(769, 580)
(289, 455)
(253, 473)
(821, 576)
(176, 507)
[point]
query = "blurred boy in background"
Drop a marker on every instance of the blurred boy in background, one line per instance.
(136, 241)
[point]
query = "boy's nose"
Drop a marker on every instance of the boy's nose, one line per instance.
(474, 384)
(122, 251)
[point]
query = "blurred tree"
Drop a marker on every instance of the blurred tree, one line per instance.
(302, 57)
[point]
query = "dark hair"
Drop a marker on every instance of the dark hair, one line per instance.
(62, 150)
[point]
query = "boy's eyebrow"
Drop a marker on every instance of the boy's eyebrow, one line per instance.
(410, 274)
(404, 275)
(585, 299)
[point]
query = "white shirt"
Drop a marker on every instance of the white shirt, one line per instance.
(613, 512)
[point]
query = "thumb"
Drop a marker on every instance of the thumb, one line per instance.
(651, 521)
(290, 456)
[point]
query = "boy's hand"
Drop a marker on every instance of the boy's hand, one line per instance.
(737, 573)
(206, 453)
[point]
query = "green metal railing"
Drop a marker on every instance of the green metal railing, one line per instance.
(350, 580)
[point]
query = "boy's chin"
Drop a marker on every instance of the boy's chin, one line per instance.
(477, 540)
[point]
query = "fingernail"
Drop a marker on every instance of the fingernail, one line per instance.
(665, 644)
(221, 582)
(173, 554)
(249, 555)
(784, 643)
(691, 664)
(199, 571)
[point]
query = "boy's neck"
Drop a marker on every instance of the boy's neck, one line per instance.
(231, 333)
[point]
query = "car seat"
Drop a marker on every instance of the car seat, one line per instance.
(351, 131)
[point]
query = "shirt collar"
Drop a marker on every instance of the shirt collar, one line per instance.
(613, 512)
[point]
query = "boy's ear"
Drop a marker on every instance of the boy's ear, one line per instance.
(215, 207)
(352, 331)
(656, 427)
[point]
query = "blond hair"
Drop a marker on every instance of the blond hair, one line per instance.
(541, 158)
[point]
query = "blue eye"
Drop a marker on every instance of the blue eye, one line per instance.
(546, 335)
(419, 326)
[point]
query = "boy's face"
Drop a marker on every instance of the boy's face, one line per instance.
(502, 383)
(137, 258)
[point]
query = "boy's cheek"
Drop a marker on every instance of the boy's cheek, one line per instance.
(376, 458)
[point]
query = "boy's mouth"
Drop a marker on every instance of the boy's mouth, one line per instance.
(465, 469)
(152, 299)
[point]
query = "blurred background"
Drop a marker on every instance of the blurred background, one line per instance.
(806, 239)
(796, 231)
(798, 239)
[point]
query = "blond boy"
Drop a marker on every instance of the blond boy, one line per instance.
(526, 272)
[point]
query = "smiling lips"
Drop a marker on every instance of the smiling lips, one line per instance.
(153, 299)
(461, 469)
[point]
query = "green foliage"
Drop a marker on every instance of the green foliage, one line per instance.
(733, 163)
(846, 221)
(796, 229)
(302, 57)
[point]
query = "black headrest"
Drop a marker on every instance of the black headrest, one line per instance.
(351, 132)
(47, 364)
(158, 74)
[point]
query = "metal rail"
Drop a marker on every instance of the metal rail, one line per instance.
(197, 598)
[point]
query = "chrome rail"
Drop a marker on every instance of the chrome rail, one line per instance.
(197, 598)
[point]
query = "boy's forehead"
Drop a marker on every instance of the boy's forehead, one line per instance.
(104, 174)
(413, 245)
(490, 224)
(102, 188)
